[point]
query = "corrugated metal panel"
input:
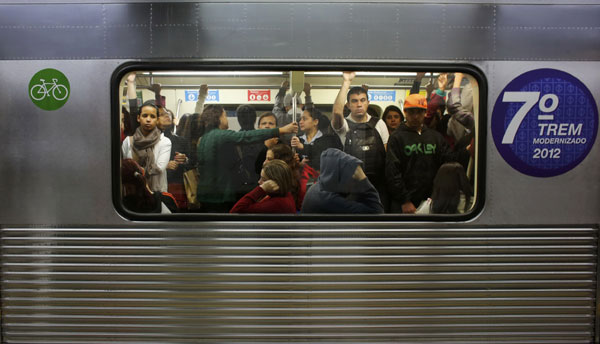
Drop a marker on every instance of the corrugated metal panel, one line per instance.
(298, 285)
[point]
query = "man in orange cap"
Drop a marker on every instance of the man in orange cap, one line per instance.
(414, 155)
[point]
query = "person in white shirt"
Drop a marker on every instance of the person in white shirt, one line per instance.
(149, 147)
(363, 136)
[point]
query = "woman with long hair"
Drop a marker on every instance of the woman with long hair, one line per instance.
(451, 193)
(316, 137)
(273, 194)
(301, 179)
(217, 157)
(149, 147)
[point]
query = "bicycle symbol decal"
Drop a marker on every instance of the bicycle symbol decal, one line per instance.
(49, 95)
(41, 91)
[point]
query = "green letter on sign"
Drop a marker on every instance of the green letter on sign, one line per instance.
(49, 89)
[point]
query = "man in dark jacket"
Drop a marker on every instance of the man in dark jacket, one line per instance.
(414, 155)
(342, 187)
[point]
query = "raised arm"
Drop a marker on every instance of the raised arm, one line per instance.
(416, 86)
(134, 110)
(454, 104)
(308, 103)
(202, 93)
(279, 107)
(131, 89)
(338, 106)
(158, 99)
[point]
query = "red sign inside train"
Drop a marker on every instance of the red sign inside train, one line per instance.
(259, 95)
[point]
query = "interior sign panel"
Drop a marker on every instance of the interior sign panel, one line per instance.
(545, 122)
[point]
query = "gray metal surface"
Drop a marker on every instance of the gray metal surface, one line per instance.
(74, 271)
(124, 285)
(56, 165)
(333, 30)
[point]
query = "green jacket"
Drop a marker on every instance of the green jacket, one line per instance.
(218, 161)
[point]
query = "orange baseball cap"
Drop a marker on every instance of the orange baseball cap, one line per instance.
(415, 100)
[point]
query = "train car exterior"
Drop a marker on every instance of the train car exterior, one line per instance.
(522, 268)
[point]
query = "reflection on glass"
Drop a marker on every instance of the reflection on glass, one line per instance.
(354, 142)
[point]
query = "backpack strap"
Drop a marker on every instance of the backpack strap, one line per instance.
(373, 122)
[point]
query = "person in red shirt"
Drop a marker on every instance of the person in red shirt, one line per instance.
(273, 194)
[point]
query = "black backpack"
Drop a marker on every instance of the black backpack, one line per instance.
(364, 142)
(244, 176)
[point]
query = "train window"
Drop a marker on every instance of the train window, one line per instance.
(298, 144)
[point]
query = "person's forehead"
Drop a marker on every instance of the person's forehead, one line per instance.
(358, 96)
(148, 109)
(268, 119)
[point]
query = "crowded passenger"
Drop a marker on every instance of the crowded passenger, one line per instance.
(462, 123)
(362, 135)
(283, 152)
(316, 138)
(342, 187)
(246, 178)
(273, 194)
(178, 159)
(414, 155)
(392, 116)
(452, 192)
(149, 147)
(192, 129)
(266, 121)
(216, 162)
(138, 196)
(400, 154)
(283, 107)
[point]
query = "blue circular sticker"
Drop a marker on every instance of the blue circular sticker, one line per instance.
(544, 122)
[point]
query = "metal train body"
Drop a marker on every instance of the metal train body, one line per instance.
(521, 269)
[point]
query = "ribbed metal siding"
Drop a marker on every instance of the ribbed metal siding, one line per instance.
(298, 285)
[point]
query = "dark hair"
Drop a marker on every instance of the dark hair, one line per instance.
(267, 114)
(284, 152)
(356, 90)
(192, 129)
(246, 116)
(448, 183)
(395, 109)
(315, 113)
(150, 103)
(372, 111)
(164, 111)
(281, 173)
(210, 118)
(138, 197)
(130, 123)
(183, 120)
(170, 113)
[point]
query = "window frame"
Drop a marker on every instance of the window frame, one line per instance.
(376, 66)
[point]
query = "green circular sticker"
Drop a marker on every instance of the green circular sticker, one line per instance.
(49, 89)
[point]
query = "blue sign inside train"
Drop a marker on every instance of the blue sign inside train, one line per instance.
(545, 122)
(192, 96)
(382, 96)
